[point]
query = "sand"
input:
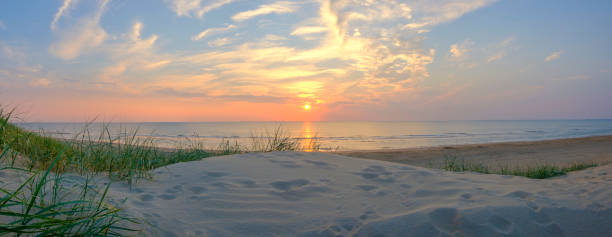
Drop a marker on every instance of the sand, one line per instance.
(318, 194)
(323, 194)
(562, 152)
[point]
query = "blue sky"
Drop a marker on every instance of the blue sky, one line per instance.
(197, 60)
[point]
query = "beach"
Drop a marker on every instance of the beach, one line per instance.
(329, 118)
(331, 194)
(561, 152)
(321, 194)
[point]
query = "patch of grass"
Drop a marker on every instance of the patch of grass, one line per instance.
(43, 206)
(279, 139)
(123, 157)
(38, 207)
(38, 149)
(227, 147)
(534, 172)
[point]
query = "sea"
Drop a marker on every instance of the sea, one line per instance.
(339, 135)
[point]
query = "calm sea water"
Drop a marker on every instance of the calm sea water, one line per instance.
(348, 135)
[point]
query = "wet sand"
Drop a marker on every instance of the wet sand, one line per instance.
(562, 152)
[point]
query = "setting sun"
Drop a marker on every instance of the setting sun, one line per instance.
(306, 107)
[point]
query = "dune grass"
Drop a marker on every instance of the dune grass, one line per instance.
(44, 204)
(128, 157)
(541, 171)
(40, 207)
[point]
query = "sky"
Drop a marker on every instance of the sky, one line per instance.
(306, 60)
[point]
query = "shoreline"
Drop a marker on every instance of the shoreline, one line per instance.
(565, 151)
(559, 152)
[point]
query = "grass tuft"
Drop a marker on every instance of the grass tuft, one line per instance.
(533, 172)
(41, 205)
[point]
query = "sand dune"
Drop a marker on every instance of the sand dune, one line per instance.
(318, 194)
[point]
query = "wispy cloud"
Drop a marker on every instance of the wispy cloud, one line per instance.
(459, 50)
(61, 11)
(499, 55)
(501, 50)
(87, 34)
(41, 82)
(132, 53)
(195, 7)
(431, 13)
(212, 31)
(307, 30)
(277, 7)
(553, 56)
(220, 42)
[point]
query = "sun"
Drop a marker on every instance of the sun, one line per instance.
(306, 107)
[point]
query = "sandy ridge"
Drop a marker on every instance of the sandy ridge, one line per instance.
(319, 194)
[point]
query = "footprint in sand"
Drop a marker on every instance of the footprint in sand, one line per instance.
(445, 218)
(146, 197)
(216, 174)
(347, 224)
(367, 187)
(247, 183)
(175, 189)
(296, 189)
(376, 173)
(407, 186)
(286, 163)
(520, 195)
(342, 225)
(221, 185)
(209, 176)
(369, 214)
(166, 196)
(466, 196)
(287, 185)
(319, 164)
(500, 224)
(197, 190)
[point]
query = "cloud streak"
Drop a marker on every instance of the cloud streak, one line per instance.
(87, 34)
(61, 11)
(458, 51)
(553, 56)
(195, 8)
(274, 8)
(212, 31)
(501, 48)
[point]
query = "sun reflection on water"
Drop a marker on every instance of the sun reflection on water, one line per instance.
(309, 138)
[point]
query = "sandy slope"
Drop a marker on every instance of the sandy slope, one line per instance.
(596, 149)
(317, 194)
